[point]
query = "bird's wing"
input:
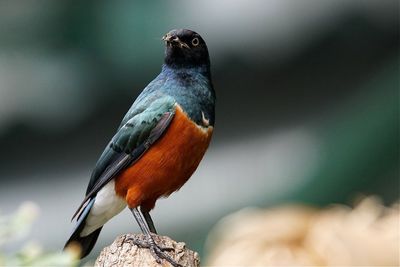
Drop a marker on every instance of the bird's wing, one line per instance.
(131, 141)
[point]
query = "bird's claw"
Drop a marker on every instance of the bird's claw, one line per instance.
(158, 254)
(146, 244)
(156, 251)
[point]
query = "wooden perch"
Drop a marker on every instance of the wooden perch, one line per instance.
(122, 252)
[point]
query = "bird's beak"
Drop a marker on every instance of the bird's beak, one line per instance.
(174, 40)
(167, 38)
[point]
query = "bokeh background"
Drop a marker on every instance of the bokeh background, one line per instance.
(307, 108)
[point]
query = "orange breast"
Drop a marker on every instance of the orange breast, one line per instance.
(167, 165)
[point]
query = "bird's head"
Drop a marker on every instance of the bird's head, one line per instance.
(185, 48)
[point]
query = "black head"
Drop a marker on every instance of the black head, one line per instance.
(185, 48)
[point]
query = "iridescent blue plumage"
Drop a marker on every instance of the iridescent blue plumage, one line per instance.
(190, 87)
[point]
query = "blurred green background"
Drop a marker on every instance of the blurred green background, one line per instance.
(307, 109)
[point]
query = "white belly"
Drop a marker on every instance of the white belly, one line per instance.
(106, 206)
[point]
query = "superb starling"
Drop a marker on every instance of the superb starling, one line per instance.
(157, 147)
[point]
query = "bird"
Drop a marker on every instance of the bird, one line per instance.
(157, 146)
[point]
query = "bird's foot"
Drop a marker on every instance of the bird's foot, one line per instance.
(158, 254)
(143, 243)
(155, 250)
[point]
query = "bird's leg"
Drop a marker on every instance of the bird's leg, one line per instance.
(156, 251)
(149, 221)
(145, 230)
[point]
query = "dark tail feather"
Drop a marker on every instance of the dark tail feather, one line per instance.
(86, 243)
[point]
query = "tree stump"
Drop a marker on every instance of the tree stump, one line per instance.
(123, 252)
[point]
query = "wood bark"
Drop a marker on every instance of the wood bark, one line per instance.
(122, 252)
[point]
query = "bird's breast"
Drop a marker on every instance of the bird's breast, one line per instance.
(168, 163)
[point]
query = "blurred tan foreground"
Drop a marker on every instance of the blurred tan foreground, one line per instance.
(367, 235)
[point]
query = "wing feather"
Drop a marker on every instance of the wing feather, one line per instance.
(130, 142)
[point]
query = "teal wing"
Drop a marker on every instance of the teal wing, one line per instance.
(134, 137)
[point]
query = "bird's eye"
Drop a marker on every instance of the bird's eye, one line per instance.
(195, 41)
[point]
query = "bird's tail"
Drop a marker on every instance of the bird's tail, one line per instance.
(87, 242)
